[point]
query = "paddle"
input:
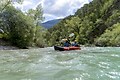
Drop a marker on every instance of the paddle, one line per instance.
(71, 35)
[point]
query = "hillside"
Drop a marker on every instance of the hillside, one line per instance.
(50, 23)
(91, 24)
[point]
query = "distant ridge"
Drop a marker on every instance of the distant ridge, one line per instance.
(50, 23)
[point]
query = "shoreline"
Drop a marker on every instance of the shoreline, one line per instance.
(8, 47)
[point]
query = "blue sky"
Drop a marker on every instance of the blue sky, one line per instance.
(54, 9)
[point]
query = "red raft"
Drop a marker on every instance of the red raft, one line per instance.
(66, 48)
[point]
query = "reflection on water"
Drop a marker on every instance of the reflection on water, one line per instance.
(90, 63)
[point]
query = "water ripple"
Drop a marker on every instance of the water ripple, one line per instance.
(90, 63)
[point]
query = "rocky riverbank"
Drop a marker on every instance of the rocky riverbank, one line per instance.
(8, 48)
(6, 45)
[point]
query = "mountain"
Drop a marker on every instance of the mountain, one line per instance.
(50, 23)
(96, 23)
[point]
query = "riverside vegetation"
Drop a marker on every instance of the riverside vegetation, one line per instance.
(21, 29)
(96, 23)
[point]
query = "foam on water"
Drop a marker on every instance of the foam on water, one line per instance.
(90, 63)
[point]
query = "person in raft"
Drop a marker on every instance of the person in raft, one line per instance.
(66, 43)
(75, 43)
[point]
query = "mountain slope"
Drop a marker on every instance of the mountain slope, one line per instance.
(50, 23)
(90, 23)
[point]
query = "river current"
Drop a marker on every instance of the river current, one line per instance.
(89, 63)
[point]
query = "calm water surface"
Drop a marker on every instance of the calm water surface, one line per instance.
(90, 63)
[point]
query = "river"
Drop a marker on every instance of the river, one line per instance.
(90, 63)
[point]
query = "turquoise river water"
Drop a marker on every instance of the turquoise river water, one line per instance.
(90, 63)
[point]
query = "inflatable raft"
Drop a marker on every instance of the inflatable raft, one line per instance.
(66, 48)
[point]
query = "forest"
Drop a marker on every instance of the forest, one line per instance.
(96, 23)
(19, 28)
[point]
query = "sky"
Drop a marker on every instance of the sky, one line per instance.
(53, 9)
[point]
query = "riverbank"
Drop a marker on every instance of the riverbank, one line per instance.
(6, 45)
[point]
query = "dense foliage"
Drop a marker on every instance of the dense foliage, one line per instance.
(90, 24)
(110, 37)
(20, 28)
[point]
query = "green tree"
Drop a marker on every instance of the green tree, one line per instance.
(74, 24)
(20, 27)
(37, 16)
(5, 3)
(111, 37)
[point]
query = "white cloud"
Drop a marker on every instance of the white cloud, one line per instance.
(18, 6)
(59, 4)
(62, 8)
(50, 17)
(27, 4)
(54, 8)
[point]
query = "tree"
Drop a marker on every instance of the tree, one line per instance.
(5, 3)
(111, 37)
(20, 27)
(37, 16)
(74, 25)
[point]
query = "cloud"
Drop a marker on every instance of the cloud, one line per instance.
(27, 4)
(55, 8)
(62, 8)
